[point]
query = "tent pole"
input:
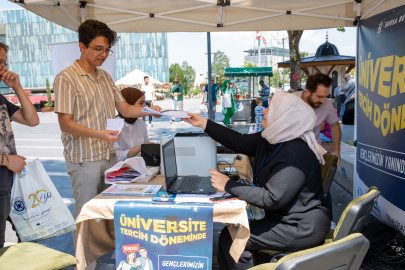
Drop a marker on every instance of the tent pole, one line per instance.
(209, 90)
(355, 111)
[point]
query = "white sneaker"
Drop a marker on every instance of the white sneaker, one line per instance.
(150, 125)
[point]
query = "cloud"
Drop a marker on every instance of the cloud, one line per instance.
(348, 50)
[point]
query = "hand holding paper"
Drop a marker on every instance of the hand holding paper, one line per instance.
(115, 124)
(168, 112)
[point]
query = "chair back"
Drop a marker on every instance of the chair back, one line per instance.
(328, 170)
(345, 254)
(355, 214)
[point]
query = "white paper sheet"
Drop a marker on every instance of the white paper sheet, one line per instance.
(115, 124)
(196, 198)
(168, 112)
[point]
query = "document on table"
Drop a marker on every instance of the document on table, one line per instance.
(115, 124)
(196, 198)
(168, 112)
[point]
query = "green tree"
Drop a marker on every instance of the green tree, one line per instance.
(221, 62)
(303, 76)
(189, 76)
(49, 94)
(247, 64)
(185, 73)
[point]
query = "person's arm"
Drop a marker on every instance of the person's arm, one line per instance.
(346, 86)
(121, 154)
(241, 143)
(132, 111)
(69, 126)
(336, 136)
(27, 114)
(14, 163)
(284, 182)
(323, 126)
(181, 90)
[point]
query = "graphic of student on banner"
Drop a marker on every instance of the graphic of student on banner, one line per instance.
(381, 114)
(150, 236)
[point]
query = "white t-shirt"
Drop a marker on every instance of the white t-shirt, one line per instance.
(324, 113)
(148, 90)
(131, 136)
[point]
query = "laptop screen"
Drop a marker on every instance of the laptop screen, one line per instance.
(169, 158)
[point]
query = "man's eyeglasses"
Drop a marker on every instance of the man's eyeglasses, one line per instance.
(3, 64)
(101, 51)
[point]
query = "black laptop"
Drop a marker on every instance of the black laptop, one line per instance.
(182, 184)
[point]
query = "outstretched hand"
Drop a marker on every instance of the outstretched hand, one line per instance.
(196, 120)
(158, 109)
(218, 179)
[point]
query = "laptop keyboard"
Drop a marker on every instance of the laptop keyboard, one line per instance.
(190, 183)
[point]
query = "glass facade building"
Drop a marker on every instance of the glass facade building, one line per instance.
(28, 34)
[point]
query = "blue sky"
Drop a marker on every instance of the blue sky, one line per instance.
(191, 47)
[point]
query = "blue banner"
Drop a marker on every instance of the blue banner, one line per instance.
(381, 113)
(162, 236)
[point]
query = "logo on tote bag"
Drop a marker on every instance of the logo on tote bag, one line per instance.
(18, 206)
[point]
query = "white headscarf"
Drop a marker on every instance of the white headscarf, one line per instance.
(289, 117)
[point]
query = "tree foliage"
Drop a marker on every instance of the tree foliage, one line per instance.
(221, 62)
(185, 73)
(247, 64)
(49, 94)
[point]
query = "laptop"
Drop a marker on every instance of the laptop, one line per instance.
(189, 184)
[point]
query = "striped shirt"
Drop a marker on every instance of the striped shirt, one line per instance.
(91, 104)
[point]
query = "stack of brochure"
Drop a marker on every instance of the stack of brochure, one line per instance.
(123, 174)
(132, 190)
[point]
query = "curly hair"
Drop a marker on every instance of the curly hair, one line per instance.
(3, 46)
(91, 29)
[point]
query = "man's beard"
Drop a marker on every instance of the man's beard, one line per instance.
(312, 103)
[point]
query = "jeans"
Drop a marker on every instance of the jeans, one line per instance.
(5, 198)
(343, 109)
(148, 104)
(339, 104)
(265, 102)
(325, 139)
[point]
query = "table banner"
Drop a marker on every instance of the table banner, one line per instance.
(163, 236)
(380, 105)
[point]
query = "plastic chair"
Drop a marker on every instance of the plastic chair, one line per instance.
(344, 254)
(354, 216)
(351, 221)
(32, 256)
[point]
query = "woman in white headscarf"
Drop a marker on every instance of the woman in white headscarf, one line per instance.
(287, 178)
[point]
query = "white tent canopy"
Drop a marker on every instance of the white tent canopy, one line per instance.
(206, 15)
(135, 77)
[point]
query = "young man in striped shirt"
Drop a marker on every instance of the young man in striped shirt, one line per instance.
(85, 97)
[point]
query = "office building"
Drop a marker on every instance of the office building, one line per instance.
(28, 34)
(269, 56)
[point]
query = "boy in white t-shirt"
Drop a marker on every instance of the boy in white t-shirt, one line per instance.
(149, 91)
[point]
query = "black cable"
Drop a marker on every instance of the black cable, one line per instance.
(237, 172)
(230, 166)
(387, 257)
